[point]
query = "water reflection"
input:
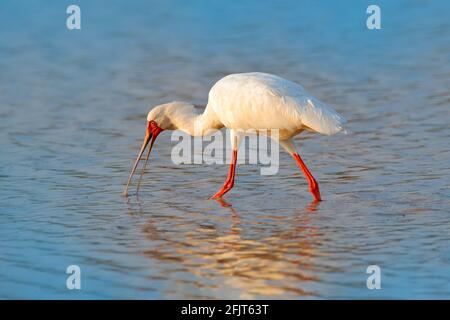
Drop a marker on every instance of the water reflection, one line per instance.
(224, 253)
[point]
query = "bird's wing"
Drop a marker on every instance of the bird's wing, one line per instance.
(318, 116)
(312, 113)
(293, 99)
(268, 101)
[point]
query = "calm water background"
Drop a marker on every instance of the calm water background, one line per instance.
(72, 117)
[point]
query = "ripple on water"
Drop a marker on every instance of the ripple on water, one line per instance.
(74, 115)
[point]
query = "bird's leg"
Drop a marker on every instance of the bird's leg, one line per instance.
(229, 182)
(313, 185)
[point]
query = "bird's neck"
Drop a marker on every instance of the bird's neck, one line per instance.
(196, 124)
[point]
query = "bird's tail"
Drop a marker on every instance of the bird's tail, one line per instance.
(321, 118)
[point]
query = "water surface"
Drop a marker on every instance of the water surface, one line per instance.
(72, 116)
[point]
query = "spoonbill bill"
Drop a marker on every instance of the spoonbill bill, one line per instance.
(247, 101)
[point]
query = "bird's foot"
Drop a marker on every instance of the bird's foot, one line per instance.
(222, 191)
(316, 194)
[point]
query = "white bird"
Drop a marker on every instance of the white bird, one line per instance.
(255, 101)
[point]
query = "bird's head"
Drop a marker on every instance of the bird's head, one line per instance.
(160, 118)
(170, 115)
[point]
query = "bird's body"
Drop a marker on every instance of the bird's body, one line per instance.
(264, 101)
(251, 101)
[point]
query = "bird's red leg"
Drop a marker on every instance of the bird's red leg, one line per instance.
(313, 185)
(229, 182)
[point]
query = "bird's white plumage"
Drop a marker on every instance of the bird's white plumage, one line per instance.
(248, 101)
(256, 101)
(265, 101)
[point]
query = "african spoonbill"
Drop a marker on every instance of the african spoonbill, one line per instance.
(247, 101)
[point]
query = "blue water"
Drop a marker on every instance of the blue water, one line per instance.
(72, 116)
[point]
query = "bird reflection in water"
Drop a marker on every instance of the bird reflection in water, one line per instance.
(240, 259)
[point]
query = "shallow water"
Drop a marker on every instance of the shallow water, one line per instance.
(72, 116)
